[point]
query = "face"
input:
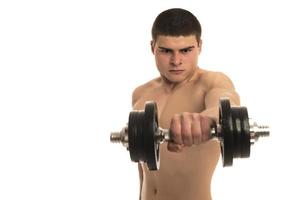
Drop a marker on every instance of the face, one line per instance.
(176, 57)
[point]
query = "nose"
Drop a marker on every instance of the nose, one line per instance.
(176, 59)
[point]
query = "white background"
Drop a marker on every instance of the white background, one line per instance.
(67, 70)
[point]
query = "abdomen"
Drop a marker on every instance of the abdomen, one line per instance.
(186, 175)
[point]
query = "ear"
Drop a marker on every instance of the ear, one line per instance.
(152, 43)
(200, 45)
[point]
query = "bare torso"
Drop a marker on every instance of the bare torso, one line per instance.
(186, 175)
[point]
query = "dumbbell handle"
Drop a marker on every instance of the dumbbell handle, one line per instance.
(256, 131)
(164, 135)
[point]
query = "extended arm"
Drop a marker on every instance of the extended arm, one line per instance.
(194, 128)
(222, 86)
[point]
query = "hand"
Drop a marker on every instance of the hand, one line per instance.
(189, 129)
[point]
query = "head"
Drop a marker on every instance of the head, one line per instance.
(176, 44)
(176, 22)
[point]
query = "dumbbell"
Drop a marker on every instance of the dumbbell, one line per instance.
(142, 136)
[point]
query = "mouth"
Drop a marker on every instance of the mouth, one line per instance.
(176, 71)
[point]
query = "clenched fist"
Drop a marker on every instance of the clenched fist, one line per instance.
(189, 129)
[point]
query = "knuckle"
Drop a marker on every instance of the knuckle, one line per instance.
(196, 116)
(175, 118)
(185, 116)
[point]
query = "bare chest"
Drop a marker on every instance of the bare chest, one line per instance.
(184, 99)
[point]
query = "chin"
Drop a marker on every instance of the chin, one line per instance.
(176, 79)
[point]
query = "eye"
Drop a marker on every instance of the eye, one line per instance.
(184, 51)
(165, 50)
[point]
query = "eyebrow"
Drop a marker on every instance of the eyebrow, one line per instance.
(185, 48)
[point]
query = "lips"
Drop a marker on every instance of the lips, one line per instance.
(176, 71)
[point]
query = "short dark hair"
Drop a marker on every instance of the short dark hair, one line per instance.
(176, 22)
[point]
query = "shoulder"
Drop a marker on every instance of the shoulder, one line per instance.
(212, 79)
(217, 85)
(141, 89)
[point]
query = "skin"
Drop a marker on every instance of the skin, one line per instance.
(187, 97)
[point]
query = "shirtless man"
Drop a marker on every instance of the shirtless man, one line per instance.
(187, 97)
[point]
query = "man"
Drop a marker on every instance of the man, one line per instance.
(187, 97)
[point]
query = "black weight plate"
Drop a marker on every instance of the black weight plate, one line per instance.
(236, 131)
(140, 143)
(245, 139)
(135, 135)
(151, 126)
(227, 137)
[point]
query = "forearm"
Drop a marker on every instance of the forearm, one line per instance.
(212, 102)
(212, 113)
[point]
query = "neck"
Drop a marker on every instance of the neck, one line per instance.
(169, 85)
